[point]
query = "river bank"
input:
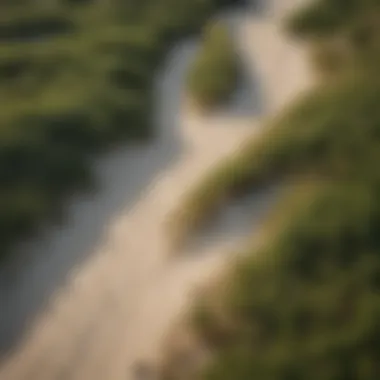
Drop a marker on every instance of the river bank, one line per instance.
(116, 308)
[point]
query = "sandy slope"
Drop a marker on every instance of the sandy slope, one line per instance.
(117, 307)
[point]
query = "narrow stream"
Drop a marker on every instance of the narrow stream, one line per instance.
(41, 266)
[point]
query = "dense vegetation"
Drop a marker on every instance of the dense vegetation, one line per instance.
(306, 305)
(75, 77)
(213, 76)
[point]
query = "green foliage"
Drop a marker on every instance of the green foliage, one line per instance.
(213, 75)
(310, 306)
(345, 32)
(325, 17)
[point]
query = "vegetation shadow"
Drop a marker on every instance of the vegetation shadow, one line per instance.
(239, 219)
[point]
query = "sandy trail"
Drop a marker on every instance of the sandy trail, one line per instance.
(117, 307)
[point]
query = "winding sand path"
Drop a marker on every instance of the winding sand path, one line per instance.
(117, 307)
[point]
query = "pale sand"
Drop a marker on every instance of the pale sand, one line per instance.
(118, 306)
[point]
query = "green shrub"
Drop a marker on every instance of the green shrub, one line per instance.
(213, 75)
(345, 31)
(40, 27)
